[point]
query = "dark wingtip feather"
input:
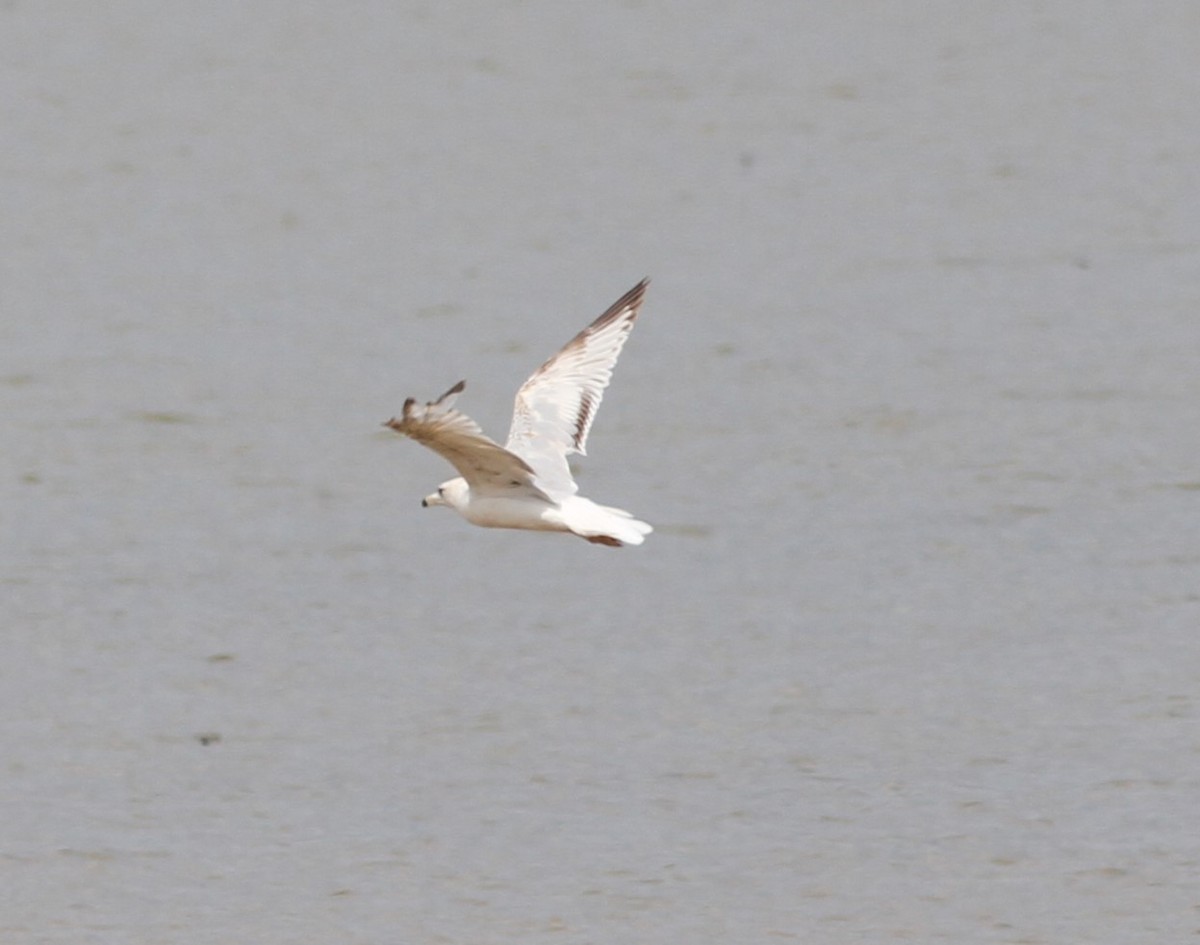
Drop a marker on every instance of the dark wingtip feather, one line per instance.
(630, 300)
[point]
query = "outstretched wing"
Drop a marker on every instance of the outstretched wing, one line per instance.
(487, 466)
(555, 407)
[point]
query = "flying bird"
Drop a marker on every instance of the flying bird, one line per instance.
(526, 483)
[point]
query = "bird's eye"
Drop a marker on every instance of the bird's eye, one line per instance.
(441, 491)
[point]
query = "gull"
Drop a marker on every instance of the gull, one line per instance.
(527, 483)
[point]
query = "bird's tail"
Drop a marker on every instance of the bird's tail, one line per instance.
(605, 525)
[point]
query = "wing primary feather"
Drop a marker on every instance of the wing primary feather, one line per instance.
(452, 392)
(587, 406)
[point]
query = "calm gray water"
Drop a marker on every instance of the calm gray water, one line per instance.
(911, 656)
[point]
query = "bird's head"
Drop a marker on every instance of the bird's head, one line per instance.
(452, 492)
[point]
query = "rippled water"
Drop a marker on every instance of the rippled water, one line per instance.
(911, 654)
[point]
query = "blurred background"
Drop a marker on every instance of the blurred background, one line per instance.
(913, 401)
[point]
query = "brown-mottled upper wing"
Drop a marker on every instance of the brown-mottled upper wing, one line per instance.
(487, 466)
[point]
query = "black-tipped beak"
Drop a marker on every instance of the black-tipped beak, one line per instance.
(424, 504)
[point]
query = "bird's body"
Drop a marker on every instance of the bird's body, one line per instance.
(526, 483)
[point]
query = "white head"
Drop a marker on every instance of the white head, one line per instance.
(452, 492)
